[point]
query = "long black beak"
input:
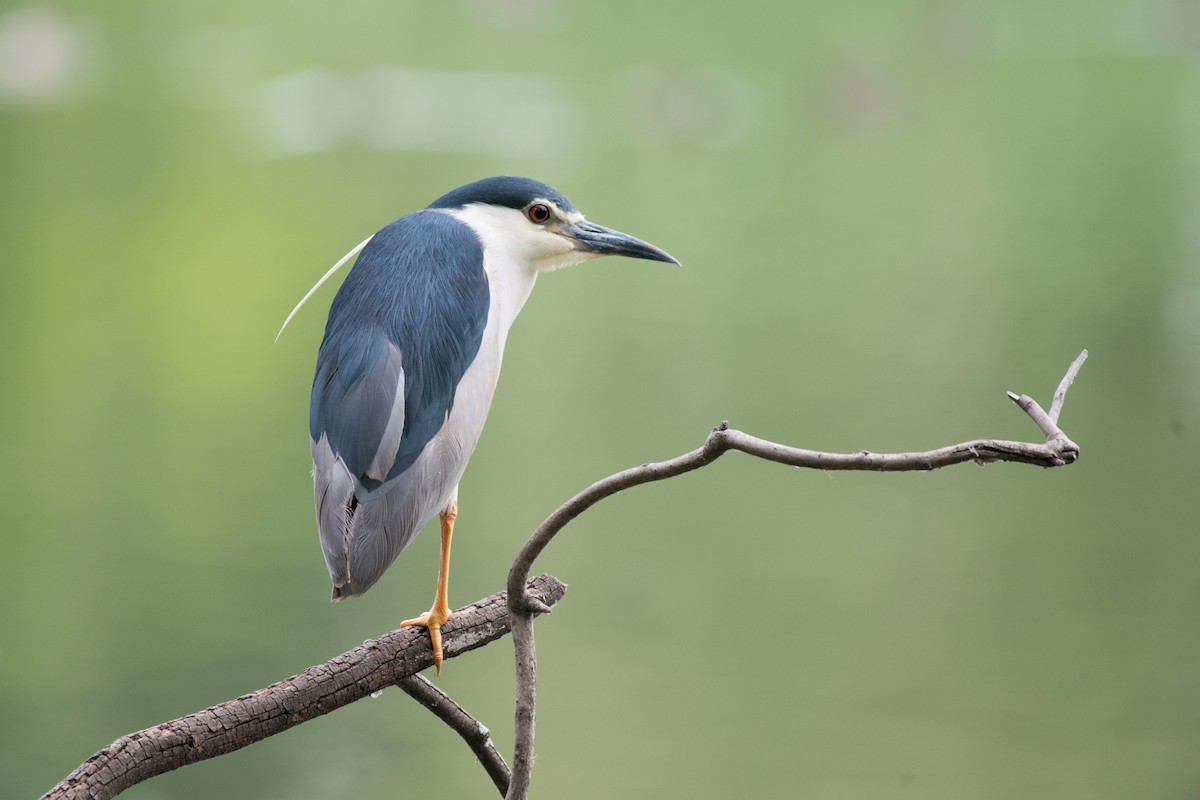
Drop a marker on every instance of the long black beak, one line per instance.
(605, 241)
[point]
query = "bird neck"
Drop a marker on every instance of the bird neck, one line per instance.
(510, 283)
(507, 261)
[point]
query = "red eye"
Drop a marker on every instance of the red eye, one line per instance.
(538, 213)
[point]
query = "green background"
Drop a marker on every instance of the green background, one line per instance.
(888, 214)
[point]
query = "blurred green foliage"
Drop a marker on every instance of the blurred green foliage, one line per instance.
(888, 213)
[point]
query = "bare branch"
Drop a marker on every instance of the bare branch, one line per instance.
(232, 725)
(1057, 451)
(473, 732)
(1037, 414)
(526, 703)
(1060, 394)
(396, 657)
(1048, 422)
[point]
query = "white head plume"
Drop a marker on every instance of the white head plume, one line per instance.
(324, 278)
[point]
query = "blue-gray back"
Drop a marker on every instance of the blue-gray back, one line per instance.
(418, 288)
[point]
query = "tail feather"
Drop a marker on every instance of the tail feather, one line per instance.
(361, 532)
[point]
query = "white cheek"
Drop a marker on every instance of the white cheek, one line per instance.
(548, 251)
(567, 257)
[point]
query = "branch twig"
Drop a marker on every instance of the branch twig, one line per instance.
(232, 725)
(473, 732)
(1060, 394)
(1057, 451)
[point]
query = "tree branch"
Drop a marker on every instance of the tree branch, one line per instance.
(473, 732)
(396, 657)
(232, 725)
(1056, 451)
(1060, 394)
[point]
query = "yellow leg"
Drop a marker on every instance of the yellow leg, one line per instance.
(436, 616)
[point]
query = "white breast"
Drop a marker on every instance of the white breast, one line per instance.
(445, 457)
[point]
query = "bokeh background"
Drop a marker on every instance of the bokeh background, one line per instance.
(889, 214)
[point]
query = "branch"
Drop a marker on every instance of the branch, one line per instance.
(473, 732)
(1060, 394)
(396, 657)
(232, 725)
(1056, 451)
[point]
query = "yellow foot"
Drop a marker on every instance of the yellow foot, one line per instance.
(433, 619)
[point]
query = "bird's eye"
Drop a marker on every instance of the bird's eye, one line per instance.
(538, 213)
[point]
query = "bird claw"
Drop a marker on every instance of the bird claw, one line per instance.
(433, 619)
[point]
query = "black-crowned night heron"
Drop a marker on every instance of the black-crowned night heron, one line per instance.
(410, 359)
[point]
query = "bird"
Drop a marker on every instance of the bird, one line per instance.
(409, 362)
